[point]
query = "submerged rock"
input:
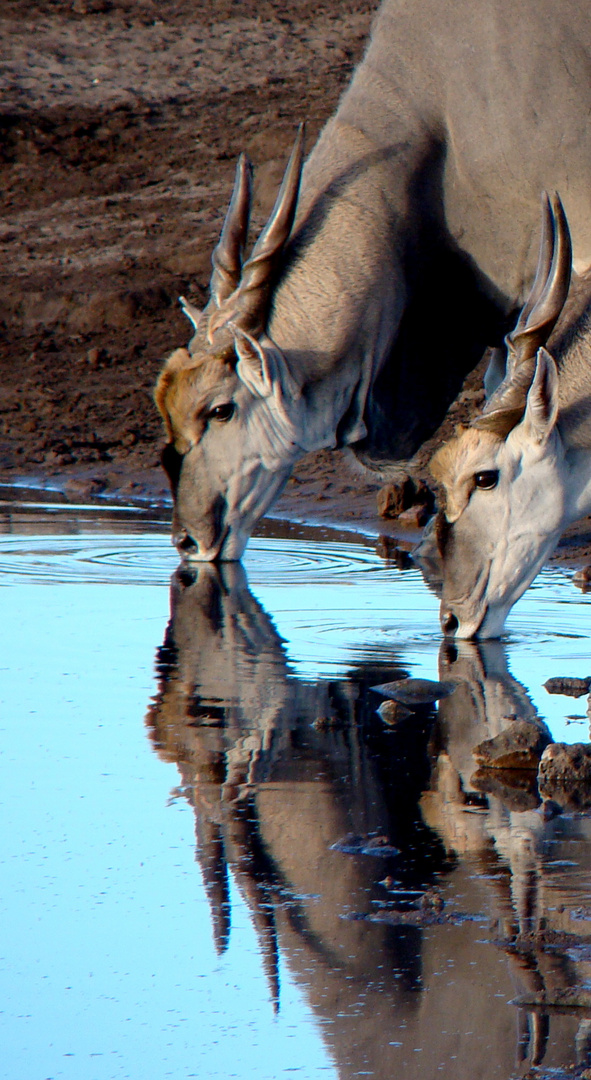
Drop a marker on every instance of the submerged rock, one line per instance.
(569, 686)
(359, 844)
(415, 692)
(564, 775)
(519, 746)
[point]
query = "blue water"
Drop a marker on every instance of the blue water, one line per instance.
(173, 903)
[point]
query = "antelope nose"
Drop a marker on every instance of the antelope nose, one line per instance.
(449, 622)
(183, 542)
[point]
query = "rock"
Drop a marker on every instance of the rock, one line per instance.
(394, 499)
(569, 997)
(549, 809)
(519, 746)
(392, 712)
(358, 844)
(582, 577)
(415, 692)
(569, 686)
(93, 485)
(564, 775)
(415, 517)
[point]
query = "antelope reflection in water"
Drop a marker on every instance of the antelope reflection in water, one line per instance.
(280, 770)
(536, 867)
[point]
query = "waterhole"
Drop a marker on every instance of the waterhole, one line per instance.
(219, 860)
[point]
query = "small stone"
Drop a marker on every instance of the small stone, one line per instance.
(519, 746)
(582, 577)
(564, 775)
(364, 844)
(394, 499)
(549, 809)
(414, 692)
(569, 686)
(93, 357)
(85, 486)
(416, 517)
(393, 713)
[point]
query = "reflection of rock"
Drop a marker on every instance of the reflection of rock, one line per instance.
(565, 775)
(517, 789)
(519, 746)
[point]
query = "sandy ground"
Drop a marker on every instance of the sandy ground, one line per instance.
(120, 121)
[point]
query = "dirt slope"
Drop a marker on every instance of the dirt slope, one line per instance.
(120, 123)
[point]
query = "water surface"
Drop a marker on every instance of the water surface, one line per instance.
(213, 848)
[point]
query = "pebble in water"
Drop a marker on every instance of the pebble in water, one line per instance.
(392, 712)
(519, 746)
(415, 692)
(568, 685)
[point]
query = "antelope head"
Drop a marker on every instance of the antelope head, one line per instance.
(229, 402)
(503, 476)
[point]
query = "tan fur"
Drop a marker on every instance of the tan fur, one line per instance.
(185, 391)
(456, 462)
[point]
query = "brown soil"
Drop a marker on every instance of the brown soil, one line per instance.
(120, 121)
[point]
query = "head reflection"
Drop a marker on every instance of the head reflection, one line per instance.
(297, 783)
(282, 772)
(492, 817)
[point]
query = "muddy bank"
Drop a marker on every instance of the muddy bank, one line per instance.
(120, 121)
(119, 127)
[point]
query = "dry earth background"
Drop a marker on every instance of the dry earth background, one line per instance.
(120, 122)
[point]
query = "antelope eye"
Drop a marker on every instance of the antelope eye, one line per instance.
(222, 413)
(487, 480)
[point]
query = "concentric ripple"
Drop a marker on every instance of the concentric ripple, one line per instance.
(335, 602)
(114, 560)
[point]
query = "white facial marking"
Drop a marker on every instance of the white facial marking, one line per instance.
(505, 510)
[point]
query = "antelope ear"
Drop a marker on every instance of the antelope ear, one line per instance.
(261, 367)
(541, 408)
(254, 367)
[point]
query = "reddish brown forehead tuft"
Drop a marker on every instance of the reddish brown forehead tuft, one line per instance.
(464, 453)
(187, 384)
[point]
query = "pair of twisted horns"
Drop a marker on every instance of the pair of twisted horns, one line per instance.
(240, 290)
(536, 321)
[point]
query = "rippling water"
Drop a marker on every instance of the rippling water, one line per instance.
(151, 718)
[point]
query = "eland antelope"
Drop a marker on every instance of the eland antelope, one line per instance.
(387, 265)
(521, 472)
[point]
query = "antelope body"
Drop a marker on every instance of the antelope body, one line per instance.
(381, 277)
(522, 472)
